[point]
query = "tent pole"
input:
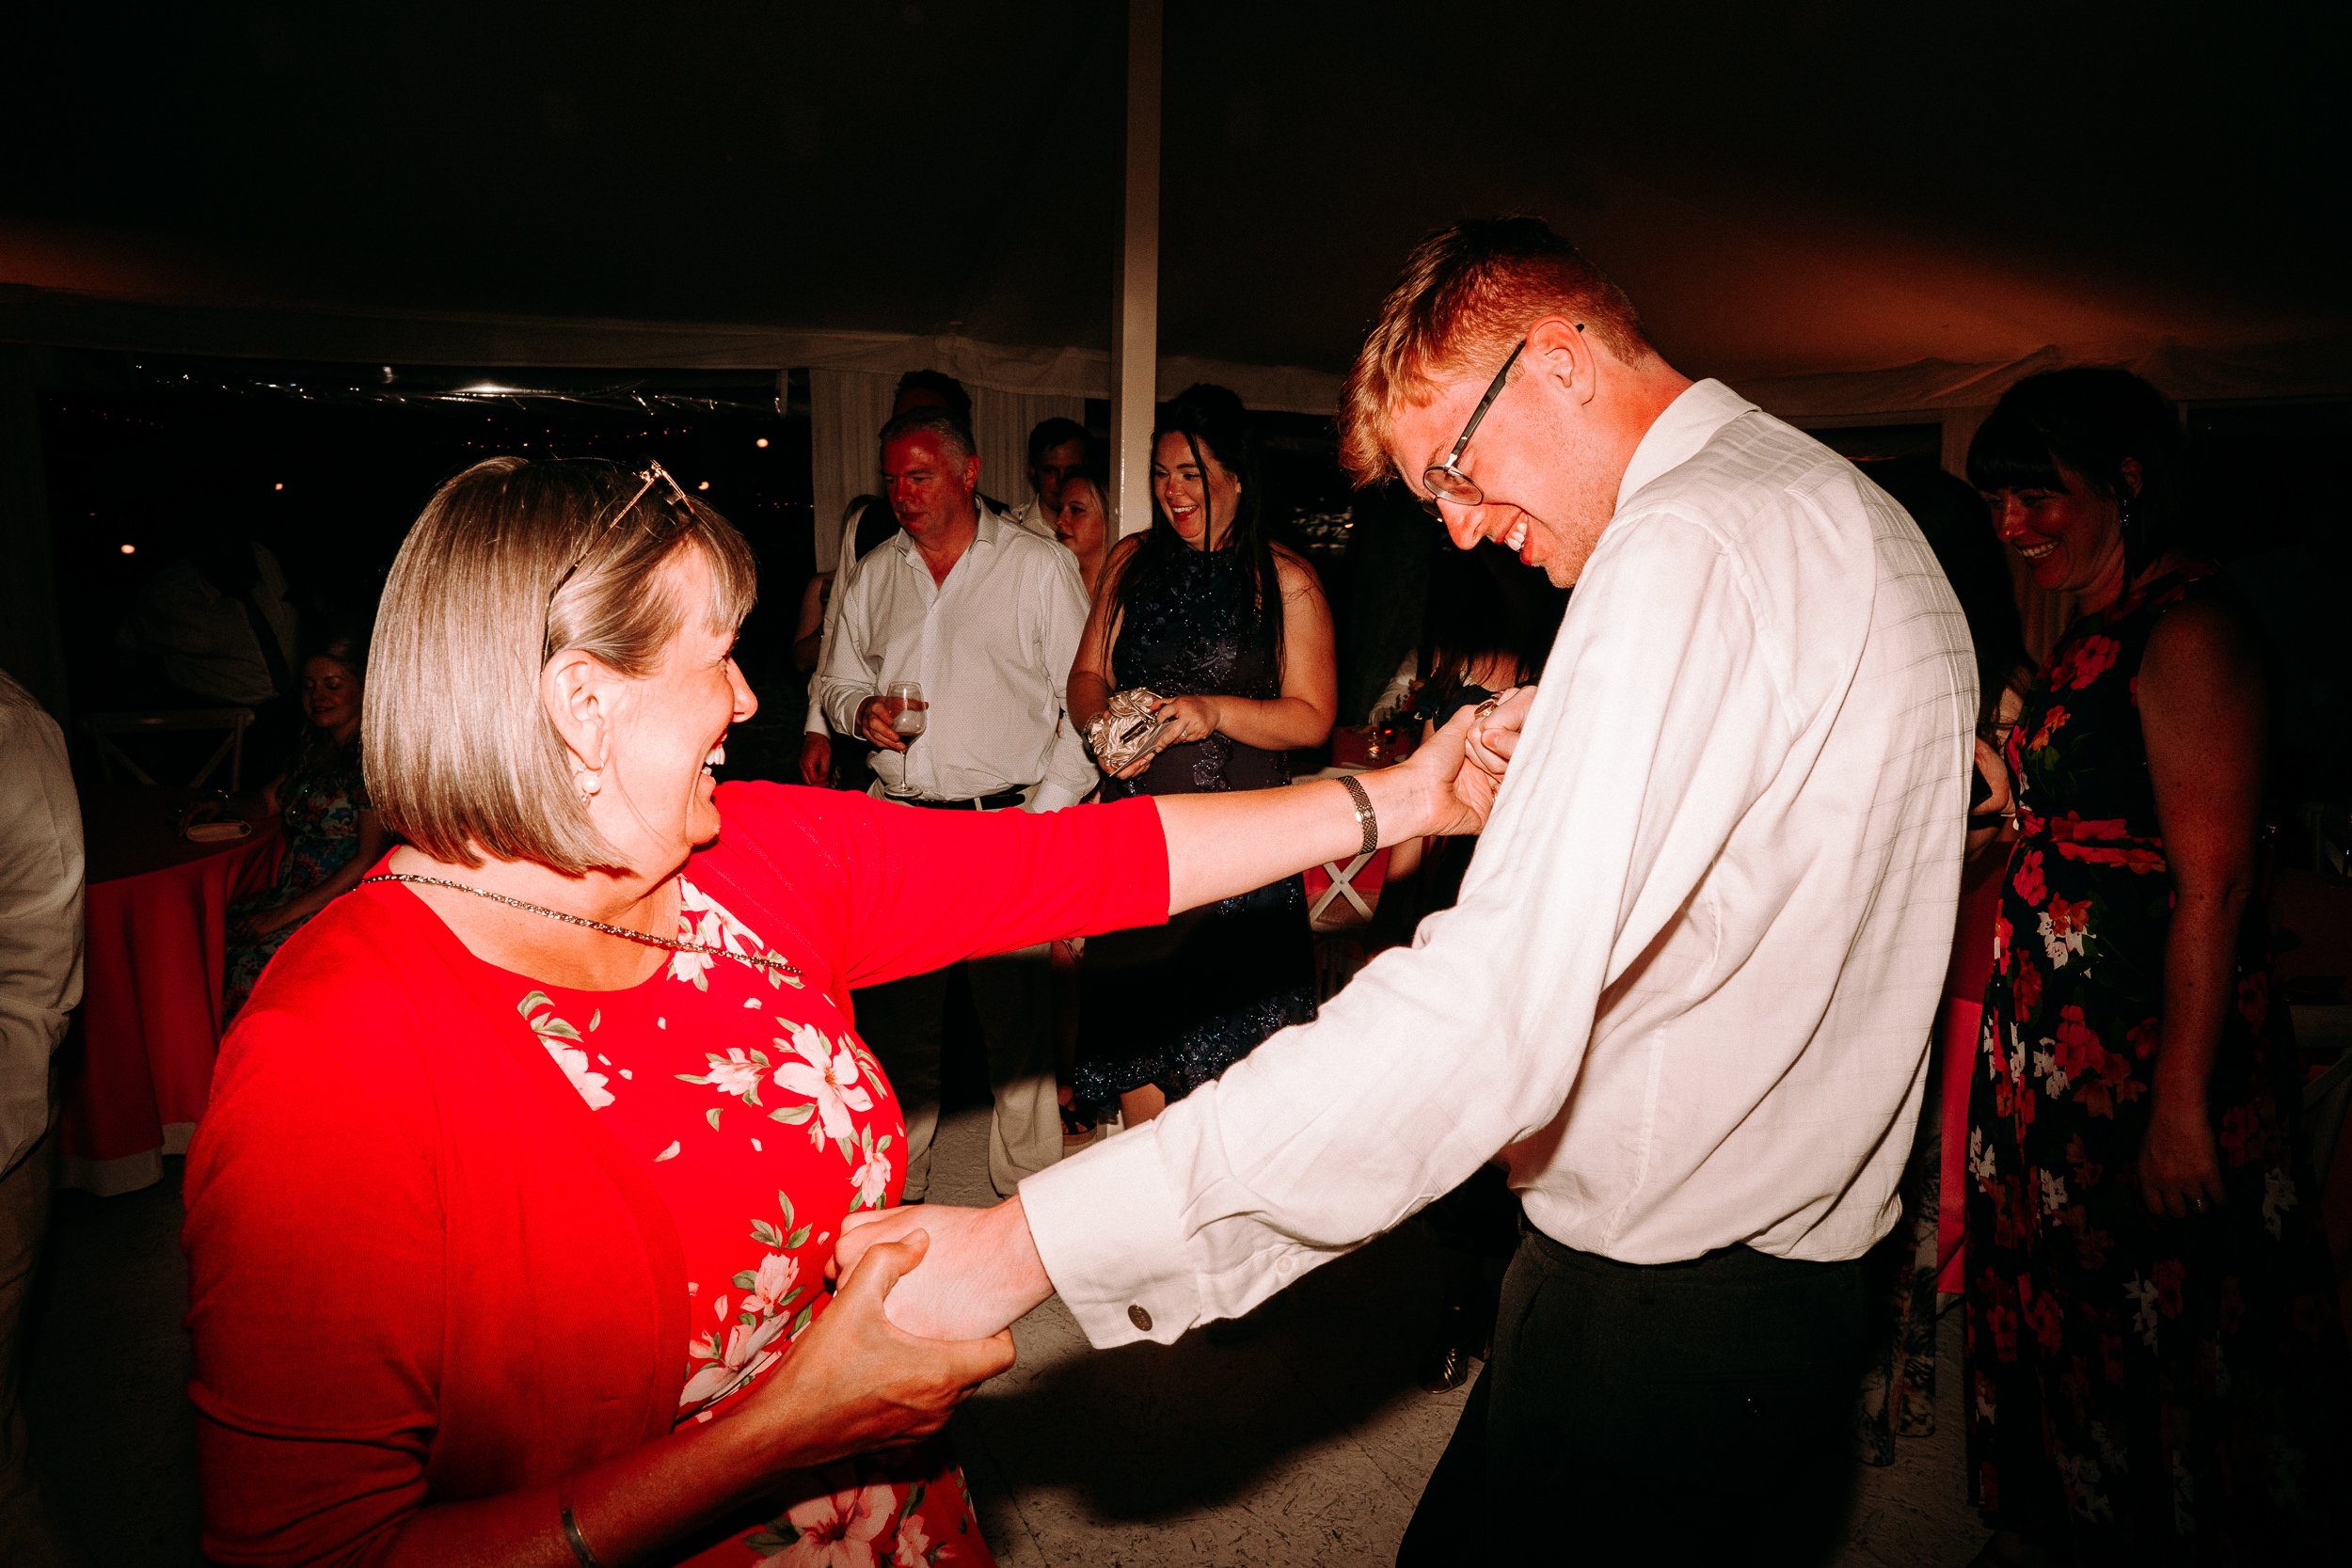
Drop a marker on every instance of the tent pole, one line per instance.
(1136, 288)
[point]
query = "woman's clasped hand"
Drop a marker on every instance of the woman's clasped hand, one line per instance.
(856, 1381)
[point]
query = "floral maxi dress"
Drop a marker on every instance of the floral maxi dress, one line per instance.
(2143, 1389)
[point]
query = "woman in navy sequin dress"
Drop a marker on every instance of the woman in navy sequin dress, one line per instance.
(1233, 634)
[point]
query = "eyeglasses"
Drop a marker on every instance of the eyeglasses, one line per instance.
(1446, 482)
(651, 474)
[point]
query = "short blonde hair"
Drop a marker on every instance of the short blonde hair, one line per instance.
(510, 563)
(1466, 295)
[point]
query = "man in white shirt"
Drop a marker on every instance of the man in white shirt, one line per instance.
(41, 983)
(985, 618)
(866, 522)
(1057, 448)
(1686, 994)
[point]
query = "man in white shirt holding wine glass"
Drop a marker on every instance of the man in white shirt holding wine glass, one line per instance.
(953, 645)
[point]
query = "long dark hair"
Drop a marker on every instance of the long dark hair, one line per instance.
(1214, 426)
(1482, 601)
(2090, 419)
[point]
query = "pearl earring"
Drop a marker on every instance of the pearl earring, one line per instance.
(590, 781)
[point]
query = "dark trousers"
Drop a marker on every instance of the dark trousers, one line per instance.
(905, 1022)
(1673, 1413)
(31, 1534)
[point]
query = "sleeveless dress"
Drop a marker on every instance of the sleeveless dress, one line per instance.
(1177, 1004)
(2144, 1389)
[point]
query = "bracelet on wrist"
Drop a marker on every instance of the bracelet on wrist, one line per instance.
(1366, 817)
(572, 1537)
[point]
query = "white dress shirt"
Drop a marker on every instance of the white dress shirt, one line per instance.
(991, 646)
(1687, 987)
(40, 913)
(1030, 515)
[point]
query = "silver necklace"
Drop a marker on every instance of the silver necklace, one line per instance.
(774, 963)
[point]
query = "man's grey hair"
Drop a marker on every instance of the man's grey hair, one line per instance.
(954, 436)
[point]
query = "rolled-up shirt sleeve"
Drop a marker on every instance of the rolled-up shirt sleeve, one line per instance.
(1660, 719)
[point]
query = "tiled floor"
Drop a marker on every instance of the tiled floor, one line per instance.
(1302, 1447)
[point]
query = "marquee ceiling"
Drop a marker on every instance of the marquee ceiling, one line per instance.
(1786, 187)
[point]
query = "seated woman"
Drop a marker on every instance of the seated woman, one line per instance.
(332, 831)
(509, 1223)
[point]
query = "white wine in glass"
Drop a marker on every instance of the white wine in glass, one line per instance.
(909, 712)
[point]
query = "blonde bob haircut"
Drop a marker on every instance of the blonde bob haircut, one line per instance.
(511, 563)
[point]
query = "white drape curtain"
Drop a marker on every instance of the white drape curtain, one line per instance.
(848, 408)
(1001, 422)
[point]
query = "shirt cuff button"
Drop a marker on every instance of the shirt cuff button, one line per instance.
(1142, 1318)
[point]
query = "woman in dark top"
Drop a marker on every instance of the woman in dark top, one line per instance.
(1487, 626)
(1232, 633)
(2156, 1373)
(322, 801)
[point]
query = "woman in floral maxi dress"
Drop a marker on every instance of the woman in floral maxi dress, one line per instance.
(2154, 1360)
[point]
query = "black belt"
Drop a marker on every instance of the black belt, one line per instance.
(998, 801)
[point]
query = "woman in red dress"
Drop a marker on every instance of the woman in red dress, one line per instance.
(508, 1225)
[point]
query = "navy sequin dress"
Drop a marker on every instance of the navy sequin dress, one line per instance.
(1177, 1004)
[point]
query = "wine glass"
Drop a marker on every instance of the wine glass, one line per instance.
(909, 712)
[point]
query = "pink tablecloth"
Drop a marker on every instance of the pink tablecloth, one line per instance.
(149, 1023)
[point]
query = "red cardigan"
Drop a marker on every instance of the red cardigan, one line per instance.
(421, 1269)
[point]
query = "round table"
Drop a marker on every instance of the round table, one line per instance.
(149, 1023)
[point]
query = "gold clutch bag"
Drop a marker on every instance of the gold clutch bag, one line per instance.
(1127, 730)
